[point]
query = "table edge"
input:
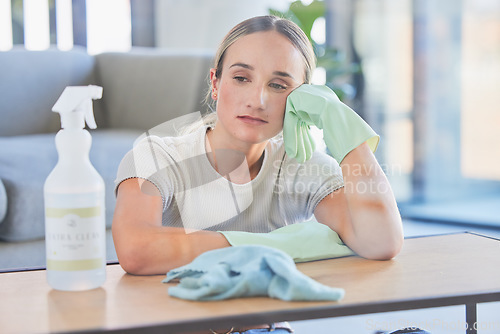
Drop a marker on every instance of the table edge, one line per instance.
(331, 310)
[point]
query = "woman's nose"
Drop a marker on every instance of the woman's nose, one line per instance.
(257, 98)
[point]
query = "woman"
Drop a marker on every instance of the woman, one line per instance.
(236, 175)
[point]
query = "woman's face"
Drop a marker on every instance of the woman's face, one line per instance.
(258, 72)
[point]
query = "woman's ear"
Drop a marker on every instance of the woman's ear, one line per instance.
(214, 83)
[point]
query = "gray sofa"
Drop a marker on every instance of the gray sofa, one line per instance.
(141, 89)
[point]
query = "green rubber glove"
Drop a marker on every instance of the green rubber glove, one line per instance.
(304, 242)
(343, 129)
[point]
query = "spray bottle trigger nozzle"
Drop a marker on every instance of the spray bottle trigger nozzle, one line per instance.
(78, 98)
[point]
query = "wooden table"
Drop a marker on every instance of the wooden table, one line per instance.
(429, 272)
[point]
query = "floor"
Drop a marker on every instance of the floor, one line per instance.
(443, 320)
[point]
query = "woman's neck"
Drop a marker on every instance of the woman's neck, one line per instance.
(238, 161)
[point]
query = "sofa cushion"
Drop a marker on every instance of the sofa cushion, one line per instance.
(31, 82)
(25, 163)
(160, 85)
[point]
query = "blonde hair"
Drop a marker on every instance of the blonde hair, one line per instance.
(260, 24)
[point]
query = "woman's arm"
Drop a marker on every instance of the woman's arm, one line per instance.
(364, 213)
(143, 245)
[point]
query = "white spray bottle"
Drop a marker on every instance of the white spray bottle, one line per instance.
(74, 199)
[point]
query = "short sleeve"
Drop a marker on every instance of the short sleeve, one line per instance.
(148, 160)
(306, 184)
(330, 179)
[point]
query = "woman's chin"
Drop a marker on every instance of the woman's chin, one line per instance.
(253, 139)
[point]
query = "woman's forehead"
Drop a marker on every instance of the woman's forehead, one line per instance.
(265, 49)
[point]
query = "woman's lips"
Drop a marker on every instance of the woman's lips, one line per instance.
(251, 120)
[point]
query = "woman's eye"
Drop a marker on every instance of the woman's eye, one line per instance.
(277, 86)
(240, 79)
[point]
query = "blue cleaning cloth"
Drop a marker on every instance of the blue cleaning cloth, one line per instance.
(244, 271)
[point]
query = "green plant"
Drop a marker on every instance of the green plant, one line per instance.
(333, 60)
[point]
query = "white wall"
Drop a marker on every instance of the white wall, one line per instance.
(204, 23)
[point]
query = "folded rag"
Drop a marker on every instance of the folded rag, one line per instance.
(304, 242)
(244, 271)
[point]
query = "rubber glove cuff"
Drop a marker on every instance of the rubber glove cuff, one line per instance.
(306, 241)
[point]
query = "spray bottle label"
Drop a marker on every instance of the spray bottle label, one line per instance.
(75, 238)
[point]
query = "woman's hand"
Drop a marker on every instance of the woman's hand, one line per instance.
(317, 105)
(143, 245)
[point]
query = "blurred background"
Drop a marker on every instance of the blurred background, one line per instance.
(424, 73)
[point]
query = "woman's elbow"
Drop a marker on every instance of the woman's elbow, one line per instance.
(131, 260)
(389, 243)
(389, 251)
(129, 250)
(385, 249)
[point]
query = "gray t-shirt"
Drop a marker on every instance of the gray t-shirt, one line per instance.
(195, 196)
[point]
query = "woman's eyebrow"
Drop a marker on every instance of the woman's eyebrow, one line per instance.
(250, 67)
(283, 74)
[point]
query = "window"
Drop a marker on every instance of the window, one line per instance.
(431, 72)
(37, 24)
